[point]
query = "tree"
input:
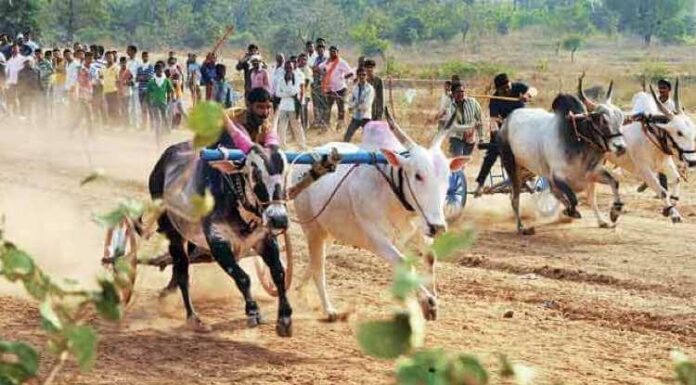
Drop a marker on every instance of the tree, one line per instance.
(645, 17)
(18, 18)
(572, 44)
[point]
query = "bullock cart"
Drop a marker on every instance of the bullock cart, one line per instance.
(122, 241)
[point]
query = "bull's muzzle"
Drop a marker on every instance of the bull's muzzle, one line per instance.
(276, 217)
(436, 230)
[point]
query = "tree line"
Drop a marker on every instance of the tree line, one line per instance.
(373, 25)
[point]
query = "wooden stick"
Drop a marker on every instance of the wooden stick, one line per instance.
(224, 37)
(492, 97)
(391, 99)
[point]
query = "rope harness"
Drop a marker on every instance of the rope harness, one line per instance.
(596, 139)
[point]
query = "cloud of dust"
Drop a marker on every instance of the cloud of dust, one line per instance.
(497, 208)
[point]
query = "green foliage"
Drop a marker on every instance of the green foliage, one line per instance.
(406, 282)
(127, 209)
(446, 245)
(468, 69)
(654, 71)
(369, 40)
(63, 311)
(386, 339)
(571, 44)
(684, 369)
(205, 120)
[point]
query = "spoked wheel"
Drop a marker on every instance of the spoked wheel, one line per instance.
(123, 245)
(263, 273)
(546, 204)
(456, 195)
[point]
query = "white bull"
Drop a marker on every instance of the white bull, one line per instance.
(373, 206)
(652, 140)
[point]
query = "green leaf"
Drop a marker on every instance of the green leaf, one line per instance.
(107, 301)
(202, 205)
(468, 370)
(127, 208)
(39, 286)
(406, 281)
(83, 344)
(686, 373)
(385, 339)
(205, 120)
(16, 263)
(123, 272)
(430, 366)
(449, 243)
(94, 175)
(111, 219)
(18, 362)
(49, 319)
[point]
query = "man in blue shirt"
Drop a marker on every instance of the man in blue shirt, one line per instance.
(143, 75)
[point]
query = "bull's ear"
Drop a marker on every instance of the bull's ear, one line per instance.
(393, 158)
(458, 163)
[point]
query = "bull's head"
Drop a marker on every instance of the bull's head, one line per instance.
(267, 174)
(426, 173)
(606, 117)
(680, 128)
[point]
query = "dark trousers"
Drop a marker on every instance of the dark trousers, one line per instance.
(489, 160)
(352, 127)
(338, 98)
(113, 106)
(319, 104)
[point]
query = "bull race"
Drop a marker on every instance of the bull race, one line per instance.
(411, 192)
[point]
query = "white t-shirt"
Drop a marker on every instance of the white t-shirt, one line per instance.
(71, 72)
(12, 68)
(287, 91)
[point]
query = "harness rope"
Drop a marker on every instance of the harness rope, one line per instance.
(328, 201)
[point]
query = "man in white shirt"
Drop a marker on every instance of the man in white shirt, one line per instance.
(276, 76)
(72, 70)
(335, 72)
(133, 99)
(12, 67)
(288, 90)
(361, 103)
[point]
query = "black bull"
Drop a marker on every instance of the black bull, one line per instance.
(231, 210)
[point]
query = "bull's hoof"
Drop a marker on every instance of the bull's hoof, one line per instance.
(333, 316)
(676, 217)
(284, 327)
(198, 326)
(527, 231)
(667, 211)
(253, 319)
(604, 225)
(572, 213)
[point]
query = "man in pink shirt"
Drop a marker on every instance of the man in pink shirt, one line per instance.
(336, 71)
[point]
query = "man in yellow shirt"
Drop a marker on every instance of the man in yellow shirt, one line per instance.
(110, 79)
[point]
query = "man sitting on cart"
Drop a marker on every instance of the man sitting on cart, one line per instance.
(507, 98)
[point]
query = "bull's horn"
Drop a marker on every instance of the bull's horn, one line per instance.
(442, 134)
(398, 132)
(589, 104)
(643, 84)
(610, 93)
(677, 101)
(665, 111)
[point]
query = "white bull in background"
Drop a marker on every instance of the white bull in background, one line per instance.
(374, 206)
(652, 139)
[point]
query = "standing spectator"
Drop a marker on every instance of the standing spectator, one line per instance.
(176, 106)
(361, 102)
(28, 41)
(44, 67)
(84, 96)
(466, 123)
(111, 97)
(259, 75)
(305, 91)
(208, 74)
(59, 77)
(28, 90)
(134, 96)
(222, 91)
(319, 101)
(336, 71)
(13, 65)
(97, 76)
(276, 77)
(310, 52)
(376, 83)
(193, 77)
(244, 64)
(72, 72)
(159, 93)
(288, 89)
(143, 76)
(125, 85)
(3, 62)
(173, 63)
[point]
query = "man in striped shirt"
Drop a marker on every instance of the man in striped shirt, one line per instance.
(466, 123)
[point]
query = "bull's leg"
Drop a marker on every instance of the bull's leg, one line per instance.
(606, 177)
(180, 272)
(592, 197)
(270, 252)
(223, 255)
(382, 246)
(513, 172)
(570, 201)
(650, 177)
(316, 241)
(673, 179)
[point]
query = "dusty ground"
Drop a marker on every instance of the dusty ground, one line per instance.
(590, 306)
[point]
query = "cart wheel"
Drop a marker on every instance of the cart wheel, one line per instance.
(546, 204)
(456, 195)
(263, 273)
(123, 244)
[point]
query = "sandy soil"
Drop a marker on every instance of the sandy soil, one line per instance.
(591, 306)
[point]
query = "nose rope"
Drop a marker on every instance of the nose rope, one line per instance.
(418, 205)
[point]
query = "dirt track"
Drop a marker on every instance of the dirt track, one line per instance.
(591, 306)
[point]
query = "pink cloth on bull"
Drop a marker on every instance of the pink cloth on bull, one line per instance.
(376, 135)
(242, 139)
